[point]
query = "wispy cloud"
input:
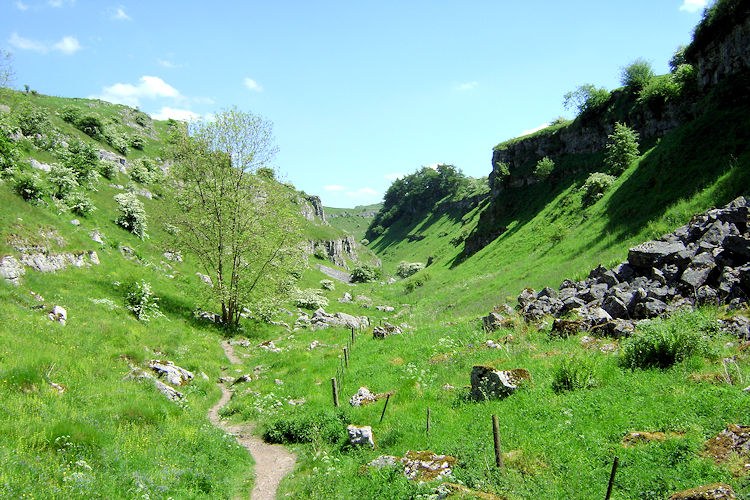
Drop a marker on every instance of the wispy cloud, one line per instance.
(334, 187)
(467, 85)
(21, 6)
(67, 45)
(252, 85)
(60, 3)
(393, 177)
(184, 115)
(532, 130)
(148, 87)
(120, 15)
(167, 64)
(693, 5)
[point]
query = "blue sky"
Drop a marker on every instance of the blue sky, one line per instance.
(359, 92)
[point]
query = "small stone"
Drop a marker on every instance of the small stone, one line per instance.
(360, 434)
(59, 314)
(75, 222)
(278, 382)
(96, 236)
(716, 491)
(487, 382)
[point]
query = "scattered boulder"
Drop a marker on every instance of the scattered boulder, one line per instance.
(738, 326)
(360, 434)
(384, 461)
(11, 270)
(321, 319)
(734, 441)
(716, 491)
(205, 278)
(174, 256)
(173, 373)
(96, 236)
(44, 167)
(385, 308)
(168, 391)
(364, 397)
(494, 320)
(384, 330)
(346, 299)
(59, 314)
(268, 345)
(487, 382)
(426, 466)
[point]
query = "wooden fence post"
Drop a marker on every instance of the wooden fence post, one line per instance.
(387, 398)
(335, 392)
(346, 357)
(428, 420)
(612, 478)
(496, 436)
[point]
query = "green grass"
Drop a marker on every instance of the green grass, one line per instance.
(354, 221)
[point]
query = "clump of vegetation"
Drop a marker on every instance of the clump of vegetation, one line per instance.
(310, 298)
(662, 343)
(365, 273)
(406, 269)
(90, 125)
(142, 119)
(132, 214)
(63, 179)
(30, 187)
(573, 374)
(108, 169)
(32, 120)
(621, 149)
(544, 168)
(79, 203)
(587, 98)
(320, 253)
(416, 281)
(327, 285)
(304, 425)
(70, 114)
(83, 159)
(144, 171)
(636, 75)
(137, 142)
(8, 155)
(502, 172)
(140, 299)
(595, 186)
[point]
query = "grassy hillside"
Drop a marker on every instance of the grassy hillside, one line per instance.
(354, 221)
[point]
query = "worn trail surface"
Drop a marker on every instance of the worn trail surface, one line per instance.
(335, 274)
(272, 461)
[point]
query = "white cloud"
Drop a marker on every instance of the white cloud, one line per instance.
(22, 43)
(60, 3)
(148, 87)
(176, 114)
(252, 85)
(334, 187)
(120, 15)
(22, 6)
(467, 85)
(68, 45)
(693, 5)
(532, 130)
(167, 64)
(393, 177)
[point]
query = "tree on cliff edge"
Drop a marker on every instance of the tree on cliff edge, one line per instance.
(239, 225)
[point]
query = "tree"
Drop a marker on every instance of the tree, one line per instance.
(544, 168)
(678, 59)
(636, 75)
(586, 98)
(6, 69)
(621, 149)
(241, 226)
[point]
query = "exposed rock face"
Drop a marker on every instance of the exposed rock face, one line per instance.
(384, 330)
(716, 491)
(321, 319)
(121, 162)
(337, 251)
(11, 269)
(169, 392)
(39, 165)
(173, 373)
(317, 208)
(425, 466)
(48, 263)
(360, 434)
(704, 262)
(734, 441)
(487, 382)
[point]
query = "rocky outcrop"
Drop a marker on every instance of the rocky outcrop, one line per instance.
(11, 270)
(487, 382)
(704, 262)
(321, 319)
(312, 208)
(48, 263)
(120, 161)
(337, 251)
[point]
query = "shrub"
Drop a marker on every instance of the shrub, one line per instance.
(622, 148)
(310, 298)
(660, 89)
(320, 253)
(144, 171)
(70, 114)
(686, 78)
(63, 179)
(118, 143)
(132, 214)
(365, 273)
(305, 425)
(544, 168)
(662, 343)
(29, 187)
(595, 186)
(327, 285)
(80, 204)
(108, 169)
(572, 374)
(137, 142)
(678, 59)
(406, 269)
(636, 75)
(364, 241)
(140, 299)
(502, 172)
(142, 119)
(90, 125)
(8, 155)
(586, 98)
(83, 159)
(416, 281)
(32, 120)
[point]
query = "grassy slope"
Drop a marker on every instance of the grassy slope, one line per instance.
(352, 220)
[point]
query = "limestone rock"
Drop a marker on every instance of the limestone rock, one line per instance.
(174, 256)
(487, 382)
(11, 269)
(39, 165)
(169, 392)
(346, 299)
(205, 278)
(59, 314)
(716, 491)
(386, 329)
(96, 236)
(384, 461)
(732, 441)
(360, 434)
(364, 397)
(426, 466)
(653, 253)
(173, 373)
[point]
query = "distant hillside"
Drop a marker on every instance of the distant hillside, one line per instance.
(354, 221)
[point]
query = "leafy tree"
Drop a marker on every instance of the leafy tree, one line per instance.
(6, 69)
(365, 273)
(544, 168)
(678, 59)
(83, 159)
(242, 227)
(636, 75)
(586, 98)
(90, 125)
(621, 149)
(63, 179)
(32, 120)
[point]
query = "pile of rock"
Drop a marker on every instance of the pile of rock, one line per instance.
(704, 262)
(321, 319)
(421, 466)
(364, 396)
(386, 329)
(173, 373)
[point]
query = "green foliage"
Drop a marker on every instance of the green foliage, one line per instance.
(544, 168)
(118, 142)
(660, 89)
(636, 75)
(320, 253)
(141, 301)
(9, 155)
(303, 425)
(63, 179)
(142, 119)
(586, 99)
(416, 192)
(621, 149)
(417, 281)
(310, 298)
(406, 269)
(132, 215)
(678, 59)
(595, 186)
(365, 273)
(686, 77)
(70, 114)
(574, 373)
(29, 186)
(32, 120)
(137, 142)
(662, 343)
(83, 158)
(327, 285)
(502, 172)
(90, 125)
(79, 203)
(718, 19)
(108, 169)
(144, 171)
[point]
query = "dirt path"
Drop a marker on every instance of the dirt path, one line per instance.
(272, 461)
(335, 274)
